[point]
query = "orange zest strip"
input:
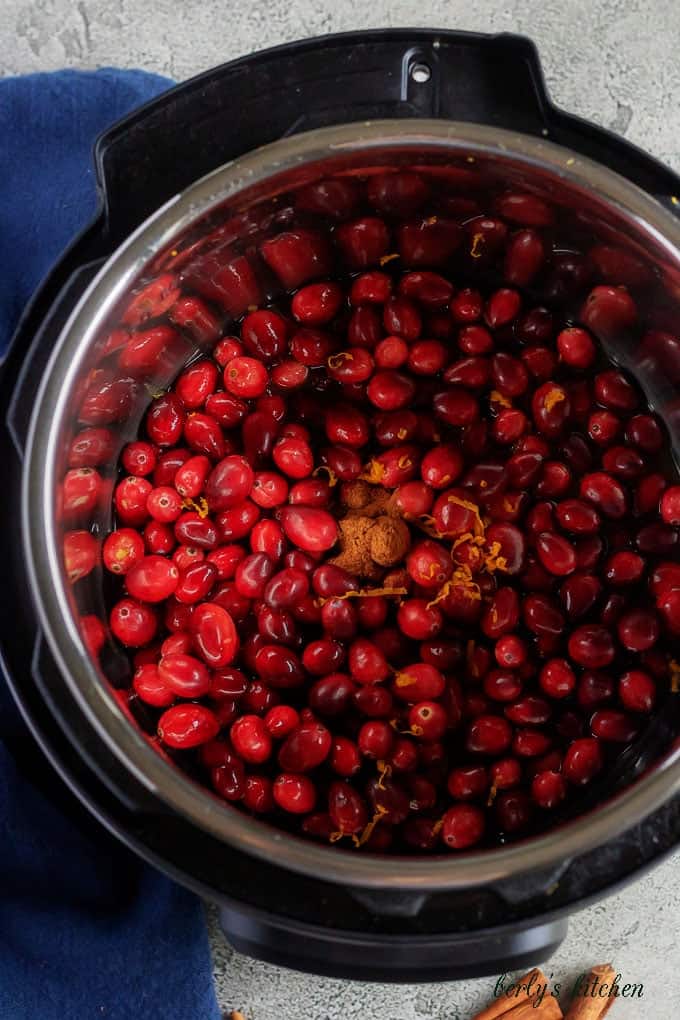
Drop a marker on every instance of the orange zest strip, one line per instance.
(461, 578)
(675, 676)
(492, 561)
(404, 462)
(437, 827)
(200, 505)
(498, 398)
(473, 508)
(476, 241)
(385, 770)
(384, 259)
(337, 360)
(368, 829)
(332, 477)
(373, 472)
(552, 397)
(364, 593)
(403, 679)
(492, 795)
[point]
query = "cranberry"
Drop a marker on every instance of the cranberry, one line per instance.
(513, 811)
(489, 734)
(375, 739)
(294, 793)
(638, 630)
(557, 678)
(251, 739)
(185, 726)
(576, 347)
(463, 826)
(548, 789)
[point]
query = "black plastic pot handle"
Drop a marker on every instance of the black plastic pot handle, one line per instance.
(491, 79)
(185, 133)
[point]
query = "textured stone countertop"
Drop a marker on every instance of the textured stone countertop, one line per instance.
(612, 61)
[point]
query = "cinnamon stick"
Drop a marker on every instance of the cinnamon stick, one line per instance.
(523, 1006)
(549, 1009)
(585, 1006)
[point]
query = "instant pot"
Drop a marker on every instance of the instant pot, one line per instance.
(212, 162)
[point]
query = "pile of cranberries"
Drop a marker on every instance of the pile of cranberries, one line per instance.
(406, 332)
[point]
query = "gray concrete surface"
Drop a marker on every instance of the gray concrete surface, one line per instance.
(613, 61)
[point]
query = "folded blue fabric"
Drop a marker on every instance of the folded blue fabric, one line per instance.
(86, 930)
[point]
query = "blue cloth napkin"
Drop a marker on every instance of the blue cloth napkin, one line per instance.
(86, 929)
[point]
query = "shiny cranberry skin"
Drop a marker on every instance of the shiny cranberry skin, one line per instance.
(362, 242)
(502, 685)
(280, 721)
(605, 493)
(637, 691)
(456, 406)
(577, 517)
(138, 458)
(186, 726)
(603, 427)
(530, 743)
(229, 483)
(576, 347)
(513, 809)
(305, 747)
(331, 695)
(670, 505)
(286, 588)
(463, 826)
(530, 711)
(390, 390)
(150, 688)
(468, 782)
(366, 662)
(591, 646)
(375, 739)
(297, 256)
(252, 575)
(609, 311)
(294, 793)
(195, 582)
(489, 734)
(638, 630)
(505, 773)
(347, 808)
(550, 407)
(344, 758)
(542, 616)
(548, 789)
(214, 635)
(556, 554)
(502, 613)
(611, 725)
(557, 678)
(323, 656)
(418, 620)
(152, 579)
(251, 739)
(122, 549)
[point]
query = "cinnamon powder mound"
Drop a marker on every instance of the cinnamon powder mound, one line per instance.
(372, 537)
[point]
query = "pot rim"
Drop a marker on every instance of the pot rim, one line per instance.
(42, 546)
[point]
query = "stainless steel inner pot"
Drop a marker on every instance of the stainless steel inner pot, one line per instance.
(245, 199)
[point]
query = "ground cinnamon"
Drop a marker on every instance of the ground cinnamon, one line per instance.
(372, 538)
(587, 1003)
